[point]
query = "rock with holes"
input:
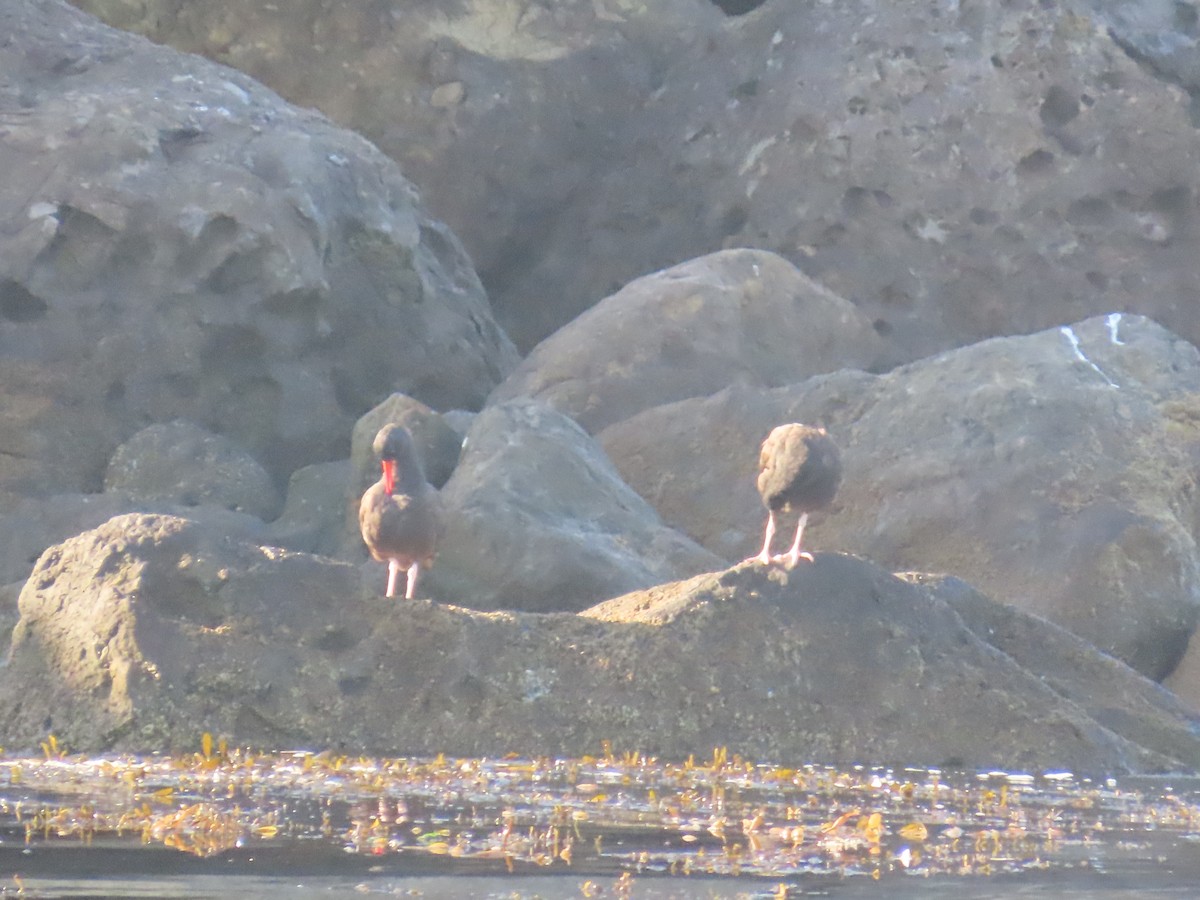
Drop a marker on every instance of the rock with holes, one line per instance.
(140, 634)
(178, 241)
(733, 316)
(1055, 471)
(957, 172)
(148, 627)
(503, 119)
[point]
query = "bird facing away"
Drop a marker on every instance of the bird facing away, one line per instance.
(799, 470)
(401, 514)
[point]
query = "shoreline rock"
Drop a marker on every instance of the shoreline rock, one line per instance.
(142, 632)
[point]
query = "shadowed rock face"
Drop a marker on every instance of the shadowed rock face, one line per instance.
(957, 173)
(1055, 480)
(177, 241)
(172, 624)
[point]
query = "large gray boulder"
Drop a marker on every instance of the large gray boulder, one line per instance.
(733, 316)
(538, 519)
(177, 241)
(1054, 471)
(149, 629)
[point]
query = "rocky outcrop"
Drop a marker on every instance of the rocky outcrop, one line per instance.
(538, 519)
(734, 316)
(1053, 471)
(175, 628)
(1099, 684)
(883, 668)
(177, 241)
(957, 174)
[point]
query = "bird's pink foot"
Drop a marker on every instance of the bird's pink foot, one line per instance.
(795, 554)
(789, 560)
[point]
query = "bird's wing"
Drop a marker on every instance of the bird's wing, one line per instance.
(780, 461)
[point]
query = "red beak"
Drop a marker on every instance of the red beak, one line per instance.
(389, 475)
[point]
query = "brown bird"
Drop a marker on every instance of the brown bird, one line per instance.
(400, 514)
(799, 472)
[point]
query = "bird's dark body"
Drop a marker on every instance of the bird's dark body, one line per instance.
(402, 526)
(800, 469)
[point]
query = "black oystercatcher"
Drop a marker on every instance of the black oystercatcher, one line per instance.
(400, 514)
(799, 472)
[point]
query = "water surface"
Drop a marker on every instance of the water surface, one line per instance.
(222, 822)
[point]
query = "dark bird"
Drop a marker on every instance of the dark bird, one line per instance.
(799, 470)
(400, 514)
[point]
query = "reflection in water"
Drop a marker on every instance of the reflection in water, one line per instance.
(222, 822)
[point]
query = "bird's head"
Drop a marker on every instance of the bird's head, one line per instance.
(397, 456)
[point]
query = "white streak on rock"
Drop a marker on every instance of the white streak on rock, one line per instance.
(1071, 336)
(1114, 322)
(755, 152)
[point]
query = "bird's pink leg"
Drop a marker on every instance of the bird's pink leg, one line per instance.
(794, 555)
(393, 571)
(764, 558)
(413, 571)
